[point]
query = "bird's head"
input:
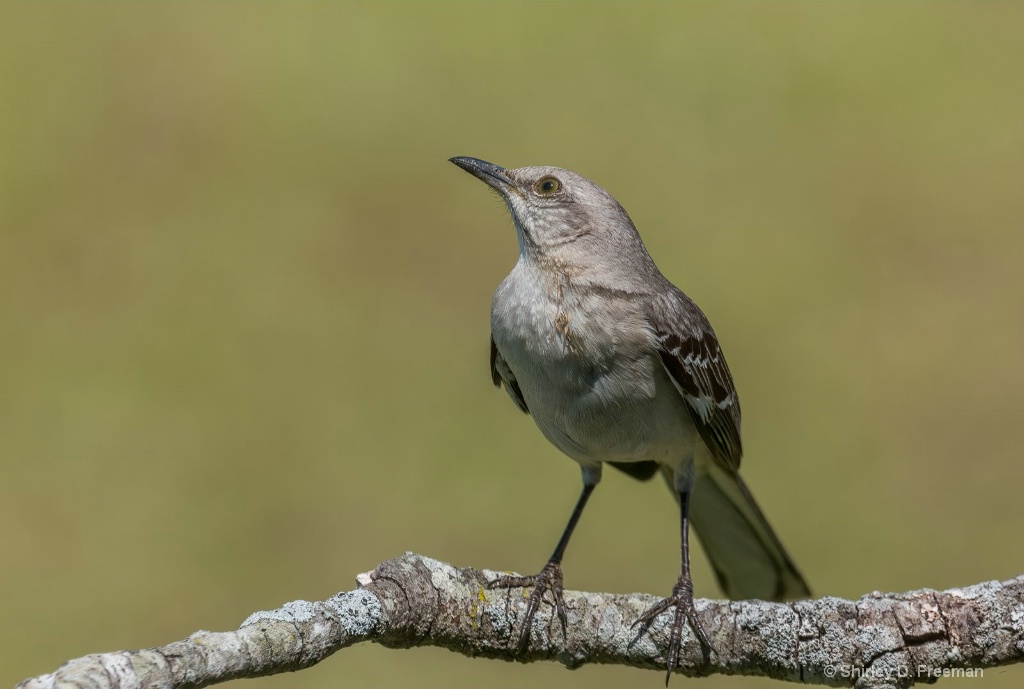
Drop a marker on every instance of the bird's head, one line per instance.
(563, 217)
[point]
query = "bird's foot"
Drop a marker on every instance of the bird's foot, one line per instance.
(549, 579)
(682, 599)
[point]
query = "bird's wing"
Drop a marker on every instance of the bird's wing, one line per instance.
(694, 360)
(641, 471)
(501, 373)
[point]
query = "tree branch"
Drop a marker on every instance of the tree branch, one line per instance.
(891, 640)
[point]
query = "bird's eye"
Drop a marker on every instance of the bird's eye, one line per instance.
(547, 186)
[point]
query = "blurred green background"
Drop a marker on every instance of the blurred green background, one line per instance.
(244, 300)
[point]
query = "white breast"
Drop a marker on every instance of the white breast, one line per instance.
(589, 371)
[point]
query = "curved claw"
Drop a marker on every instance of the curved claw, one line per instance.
(549, 579)
(682, 600)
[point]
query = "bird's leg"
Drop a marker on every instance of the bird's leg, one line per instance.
(549, 578)
(681, 598)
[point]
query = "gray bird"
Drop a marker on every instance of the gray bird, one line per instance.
(616, 365)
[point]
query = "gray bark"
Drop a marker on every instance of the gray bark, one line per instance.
(881, 640)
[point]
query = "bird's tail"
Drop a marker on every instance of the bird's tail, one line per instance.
(744, 551)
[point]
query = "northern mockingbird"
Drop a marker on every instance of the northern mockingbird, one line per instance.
(617, 366)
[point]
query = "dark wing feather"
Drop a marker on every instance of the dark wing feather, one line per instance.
(641, 471)
(501, 373)
(693, 358)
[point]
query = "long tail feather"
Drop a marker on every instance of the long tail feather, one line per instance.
(744, 551)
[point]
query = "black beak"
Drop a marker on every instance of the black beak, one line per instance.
(494, 175)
